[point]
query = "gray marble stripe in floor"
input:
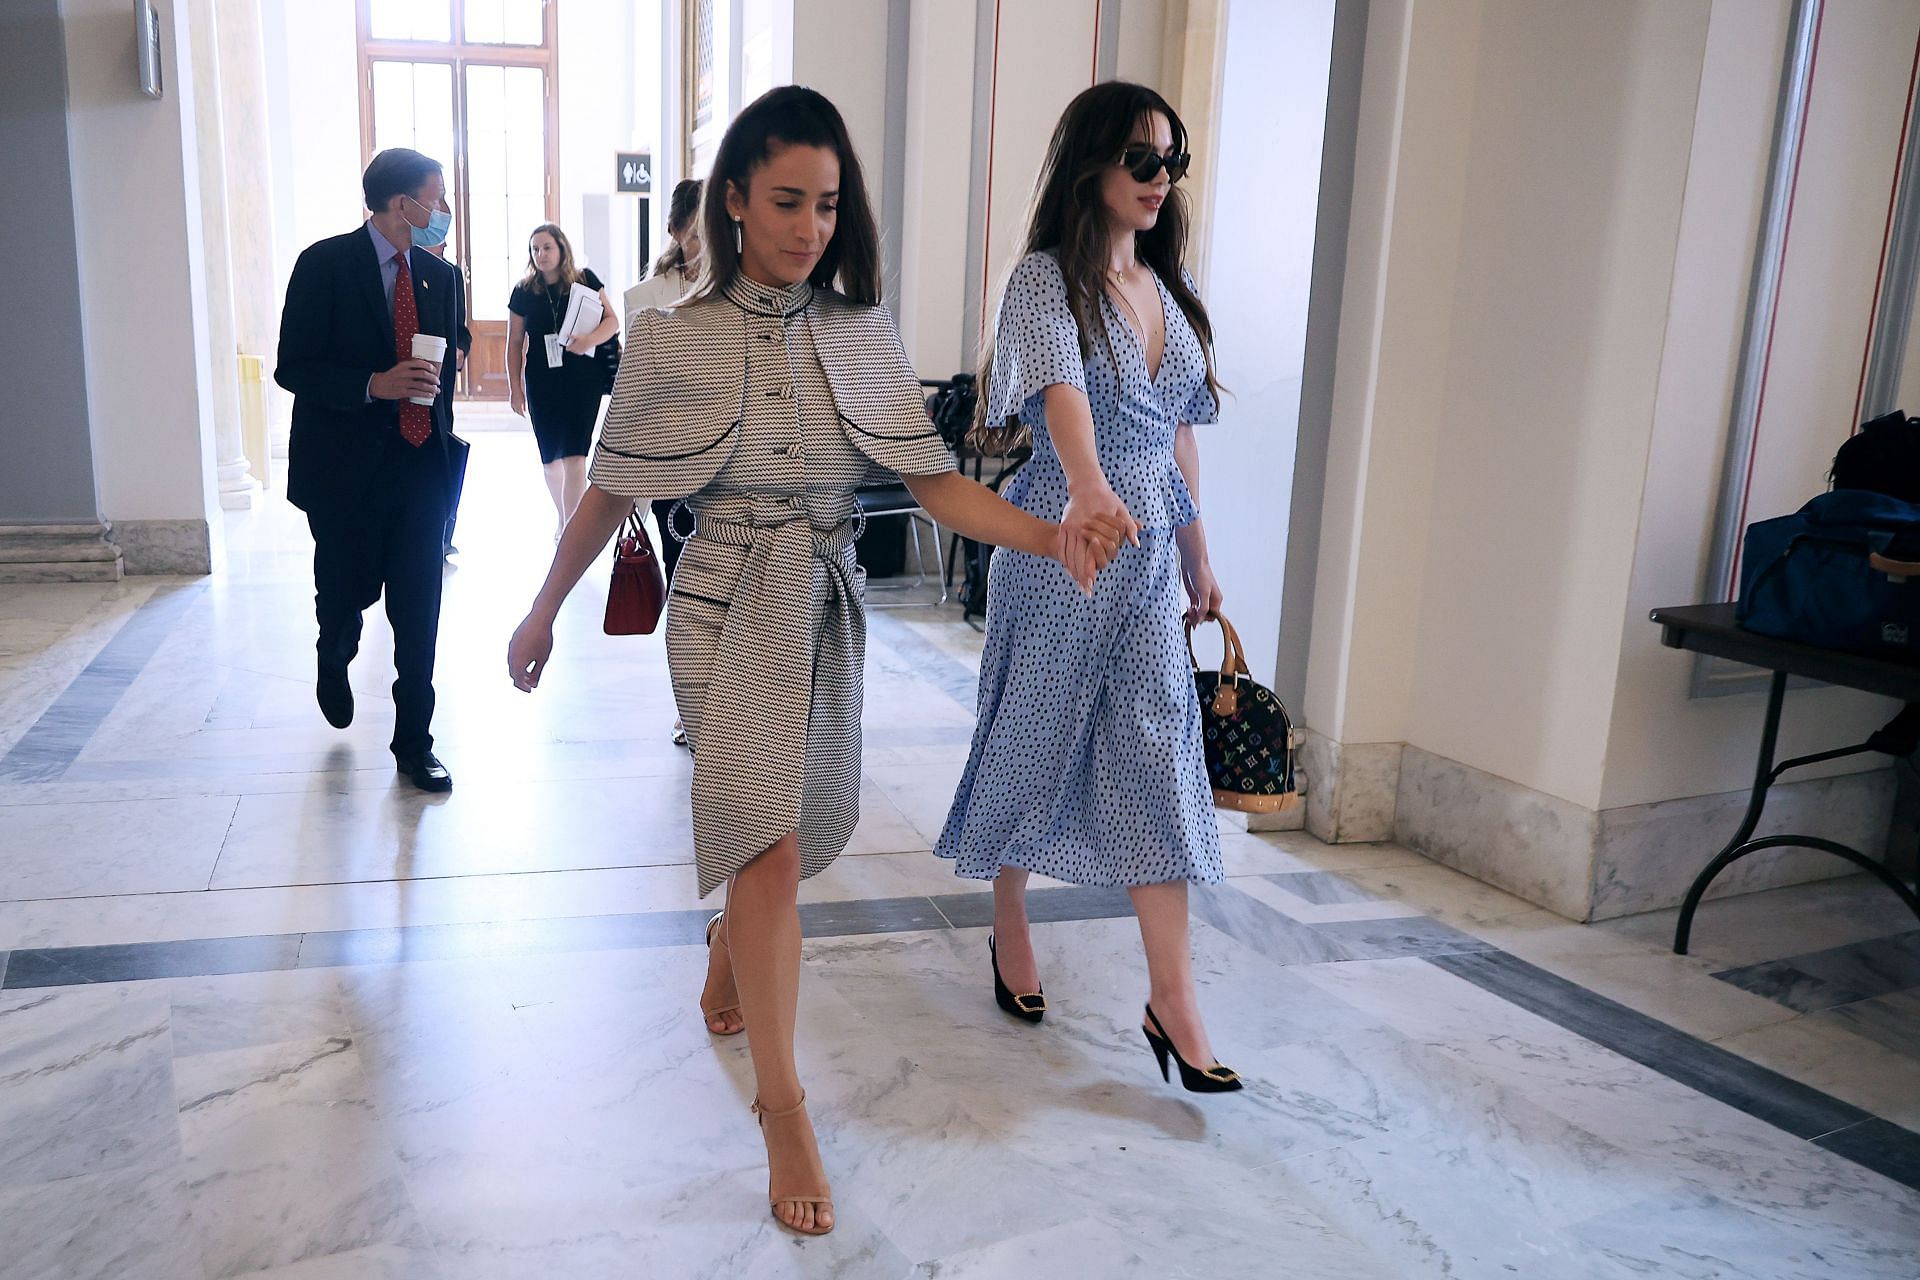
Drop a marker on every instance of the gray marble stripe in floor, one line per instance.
(1835, 976)
(1786, 1104)
(930, 663)
(1880, 1145)
(212, 957)
(1706, 1068)
(63, 730)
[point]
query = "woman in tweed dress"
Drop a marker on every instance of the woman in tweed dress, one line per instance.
(766, 399)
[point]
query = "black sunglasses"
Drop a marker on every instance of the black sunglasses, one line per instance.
(1143, 162)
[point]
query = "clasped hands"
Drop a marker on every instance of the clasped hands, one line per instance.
(1093, 528)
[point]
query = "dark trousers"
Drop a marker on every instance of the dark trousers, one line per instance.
(391, 545)
(669, 545)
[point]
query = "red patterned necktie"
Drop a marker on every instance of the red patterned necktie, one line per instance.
(416, 420)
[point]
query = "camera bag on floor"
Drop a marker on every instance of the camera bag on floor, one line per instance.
(1843, 572)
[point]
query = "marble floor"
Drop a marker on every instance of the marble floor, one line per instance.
(265, 1011)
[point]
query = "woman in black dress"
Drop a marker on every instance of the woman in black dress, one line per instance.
(560, 386)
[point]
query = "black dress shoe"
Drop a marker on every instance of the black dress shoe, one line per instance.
(425, 772)
(335, 696)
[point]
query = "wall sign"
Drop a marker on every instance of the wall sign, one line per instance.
(635, 171)
(147, 38)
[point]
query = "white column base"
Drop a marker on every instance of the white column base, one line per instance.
(235, 477)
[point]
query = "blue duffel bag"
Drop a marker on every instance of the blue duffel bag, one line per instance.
(1842, 572)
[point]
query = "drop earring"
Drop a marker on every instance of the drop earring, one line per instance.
(736, 237)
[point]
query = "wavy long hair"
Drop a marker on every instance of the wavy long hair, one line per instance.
(681, 212)
(569, 271)
(791, 115)
(1068, 216)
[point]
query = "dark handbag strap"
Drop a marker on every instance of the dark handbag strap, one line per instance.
(633, 542)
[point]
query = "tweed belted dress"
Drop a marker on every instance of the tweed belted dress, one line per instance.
(766, 408)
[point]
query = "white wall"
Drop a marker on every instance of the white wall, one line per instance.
(1662, 743)
(840, 48)
(1043, 57)
(1142, 32)
(1566, 258)
(1395, 326)
(314, 106)
(137, 219)
(939, 164)
(1266, 191)
(1554, 220)
(609, 103)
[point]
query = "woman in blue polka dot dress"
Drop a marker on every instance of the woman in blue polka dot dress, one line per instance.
(1087, 763)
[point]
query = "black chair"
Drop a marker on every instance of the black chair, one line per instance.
(950, 408)
(898, 500)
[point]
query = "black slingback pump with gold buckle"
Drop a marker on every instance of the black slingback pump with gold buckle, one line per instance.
(1215, 1079)
(1028, 1008)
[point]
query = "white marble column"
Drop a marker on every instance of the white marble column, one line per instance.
(231, 470)
(249, 179)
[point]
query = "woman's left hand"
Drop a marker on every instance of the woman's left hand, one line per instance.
(582, 346)
(1203, 591)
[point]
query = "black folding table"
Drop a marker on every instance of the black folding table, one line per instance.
(1711, 629)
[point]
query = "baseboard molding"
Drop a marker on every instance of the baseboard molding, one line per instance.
(165, 546)
(1533, 845)
(1353, 788)
(1589, 864)
(80, 552)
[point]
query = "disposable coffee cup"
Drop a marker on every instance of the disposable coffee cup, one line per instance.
(427, 346)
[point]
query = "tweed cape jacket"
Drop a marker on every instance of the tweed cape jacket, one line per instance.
(765, 408)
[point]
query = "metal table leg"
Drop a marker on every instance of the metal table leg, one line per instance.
(1742, 844)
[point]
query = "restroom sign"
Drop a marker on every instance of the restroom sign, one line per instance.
(636, 171)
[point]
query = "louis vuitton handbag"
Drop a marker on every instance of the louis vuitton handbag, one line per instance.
(638, 591)
(1246, 732)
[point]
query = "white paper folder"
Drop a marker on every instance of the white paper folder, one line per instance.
(583, 313)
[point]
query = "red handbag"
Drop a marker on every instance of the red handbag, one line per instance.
(638, 591)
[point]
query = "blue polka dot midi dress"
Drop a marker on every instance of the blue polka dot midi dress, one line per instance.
(1087, 764)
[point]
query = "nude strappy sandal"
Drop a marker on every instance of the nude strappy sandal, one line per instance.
(713, 927)
(817, 1175)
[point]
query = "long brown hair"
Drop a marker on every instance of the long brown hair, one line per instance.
(680, 215)
(1069, 217)
(791, 115)
(569, 272)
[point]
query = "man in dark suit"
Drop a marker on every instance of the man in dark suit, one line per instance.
(373, 471)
